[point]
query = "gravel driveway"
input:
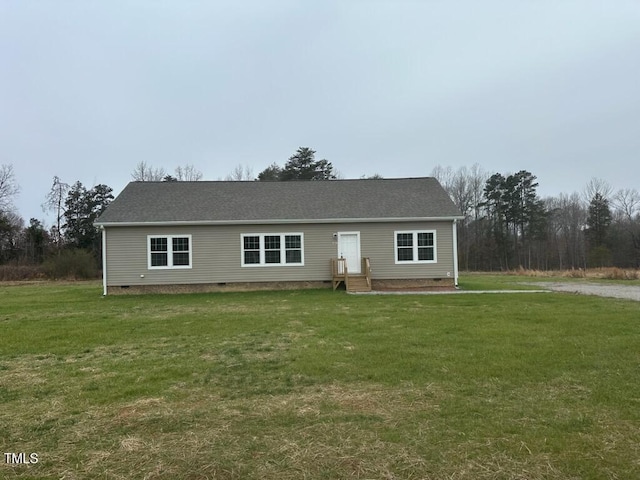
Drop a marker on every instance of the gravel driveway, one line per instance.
(630, 292)
(627, 292)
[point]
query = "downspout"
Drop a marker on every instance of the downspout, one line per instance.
(104, 261)
(455, 252)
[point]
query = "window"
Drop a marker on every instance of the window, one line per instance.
(272, 249)
(251, 249)
(404, 247)
(159, 252)
(415, 247)
(169, 251)
(293, 248)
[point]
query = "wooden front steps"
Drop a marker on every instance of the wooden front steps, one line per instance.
(352, 282)
(358, 283)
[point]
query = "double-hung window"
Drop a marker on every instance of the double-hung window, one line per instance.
(272, 249)
(293, 249)
(169, 251)
(264, 249)
(415, 246)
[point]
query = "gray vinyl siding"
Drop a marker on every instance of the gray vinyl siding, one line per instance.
(217, 250)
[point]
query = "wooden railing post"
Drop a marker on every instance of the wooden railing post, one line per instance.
(345, 272)
(339, 272)
(366, 268)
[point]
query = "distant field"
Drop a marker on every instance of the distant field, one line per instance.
(318, 385)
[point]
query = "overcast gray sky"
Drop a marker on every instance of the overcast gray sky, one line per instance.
(88, 89)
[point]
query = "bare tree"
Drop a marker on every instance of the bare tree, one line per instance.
(240, 173)
(444, 175)
(477, 179)
(54, 201)
(8, 187)
(146, 173)
(465, 186)
(566, 225)
(188, 173)
(626, 203)
(597, 186)
(461, 191)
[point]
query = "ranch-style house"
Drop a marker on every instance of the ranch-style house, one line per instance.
(201, 236)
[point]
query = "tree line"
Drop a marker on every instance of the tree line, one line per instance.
(302, 165)
(76, 207)
(505, 225)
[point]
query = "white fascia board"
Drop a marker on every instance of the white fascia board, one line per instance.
(278, 221)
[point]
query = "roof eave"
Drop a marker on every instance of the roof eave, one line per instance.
(447, 218)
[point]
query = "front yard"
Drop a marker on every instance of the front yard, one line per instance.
(318, 385)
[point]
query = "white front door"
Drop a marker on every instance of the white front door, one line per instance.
(349, 249)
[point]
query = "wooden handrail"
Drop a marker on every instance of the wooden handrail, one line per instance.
(338, 267)
(366, 268)
(339, 272)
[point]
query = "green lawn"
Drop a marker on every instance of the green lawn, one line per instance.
(318, 385)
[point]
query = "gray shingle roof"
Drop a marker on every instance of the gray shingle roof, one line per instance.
(220, 202)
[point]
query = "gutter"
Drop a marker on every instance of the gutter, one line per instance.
(455, 252)
(278, 221)
(104, 261)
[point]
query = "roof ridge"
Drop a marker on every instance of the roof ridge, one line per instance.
(163, 182)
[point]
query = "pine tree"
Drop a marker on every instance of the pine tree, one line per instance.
(82, 209)
(598, 223)
(598, 220)
(302, 165)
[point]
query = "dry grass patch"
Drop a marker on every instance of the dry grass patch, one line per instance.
(501, 466)
(332, 431)
(606, 273)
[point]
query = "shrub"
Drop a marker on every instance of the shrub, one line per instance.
(521, 271)
(575, 273)
(72, 265)
(620, 274)
(15, 273)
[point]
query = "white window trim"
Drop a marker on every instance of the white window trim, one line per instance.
(415, 247)
(283, 250)
(169, 265)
